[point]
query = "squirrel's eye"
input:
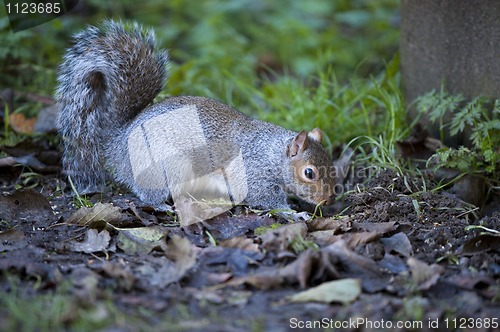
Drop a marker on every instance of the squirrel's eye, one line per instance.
(309, 173)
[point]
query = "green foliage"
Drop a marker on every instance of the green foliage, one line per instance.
(57, 310)
(302, 65)
(215, 44)
(438, 104)
(479, 116)
(28, 62)
(320, 52)
(462, 159)
(263, 229)
(299, 244)
(378, 114)
(360, 107)
(29, 180)
(80, 200)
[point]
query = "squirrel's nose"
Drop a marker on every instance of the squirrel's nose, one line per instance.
(330, 200)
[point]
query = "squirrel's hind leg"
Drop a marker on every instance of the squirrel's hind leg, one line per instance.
(155, 198)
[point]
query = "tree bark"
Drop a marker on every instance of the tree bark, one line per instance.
(454, 44)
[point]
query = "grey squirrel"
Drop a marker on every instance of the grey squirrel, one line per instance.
(182, 147)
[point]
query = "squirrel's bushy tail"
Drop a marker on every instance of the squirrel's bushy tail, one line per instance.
(106, 78)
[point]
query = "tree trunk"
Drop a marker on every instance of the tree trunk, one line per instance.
(454, 44)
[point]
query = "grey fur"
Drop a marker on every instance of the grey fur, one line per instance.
(107, 79)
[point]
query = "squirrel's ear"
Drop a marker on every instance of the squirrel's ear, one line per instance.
(316, 134)
(298, 144)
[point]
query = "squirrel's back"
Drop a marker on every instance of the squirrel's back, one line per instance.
(190, 137)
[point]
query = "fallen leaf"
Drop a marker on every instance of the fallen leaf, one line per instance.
(398, 243)
(158, 276)
(98, 216)
(235, 261)
(331, 224)
(146, 219)
(159, 272)
(481, 243)
(29, 161)
(323, 238)
(191, 211)
(379, 227)
(263, 281)
(12, 239)
(352, 265)
(47, 119)
(94, 242)
(393, 264)
(326, 231)
(424, 275)
(217, 278)
(281, 238)
(181, 252)
(85, 284)
(240, 242)
(483, 284)
(225, 227)
(121, 272)
(355, 239)
(24, 206)
(340, 291)
(139, 240)
(20, 124)
(301, 270)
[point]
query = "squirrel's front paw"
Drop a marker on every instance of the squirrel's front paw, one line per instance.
(164, 207)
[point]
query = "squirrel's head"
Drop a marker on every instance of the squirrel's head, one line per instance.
(311, 169)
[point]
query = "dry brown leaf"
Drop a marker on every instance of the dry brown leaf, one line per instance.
(97, 216)
(336, 225)
(12, 239)
(323, 238)
(424, 275)
(281, 238)
(355, 239)
(481, 243)
(181, 252)
(120, 272)
(353, 265)
(191, 211)
(20, 124)
(159, 272)
(139, 239)
(218, 278)
(341, 291)
(310, 267)
(398, 243)
(24, 205)
(263, 281)
(94, 242)
(300, 269)
(379, 227)
(240, 242)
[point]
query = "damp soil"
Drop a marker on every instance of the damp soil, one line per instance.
(417, 257)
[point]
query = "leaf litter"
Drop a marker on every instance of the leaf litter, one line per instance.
(380, 250)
